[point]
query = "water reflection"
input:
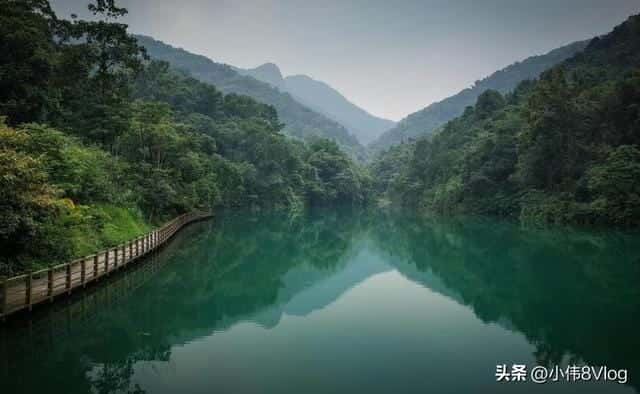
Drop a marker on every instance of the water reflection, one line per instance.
(571, 294)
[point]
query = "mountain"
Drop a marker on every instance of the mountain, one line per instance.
(300, 121)
(563, 148)
(268, 72)
(430, 118)
(324, 99)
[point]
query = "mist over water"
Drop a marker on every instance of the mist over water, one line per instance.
(342, 301)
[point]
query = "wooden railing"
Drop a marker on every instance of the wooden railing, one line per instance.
(25, 291)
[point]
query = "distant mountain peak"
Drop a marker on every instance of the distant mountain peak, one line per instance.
(300, 120)
(323, 98)
(269, 67)
(269, 73)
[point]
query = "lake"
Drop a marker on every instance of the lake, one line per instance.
(343, 301)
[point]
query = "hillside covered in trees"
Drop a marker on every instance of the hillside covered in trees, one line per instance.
(300, 121)
(427, 120)
(98, 142)
(564, 148)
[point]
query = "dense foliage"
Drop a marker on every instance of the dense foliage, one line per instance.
(564, 148)
(97, 142)
(427, 120)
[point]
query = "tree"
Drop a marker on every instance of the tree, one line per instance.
(488, 103)
(546, 147)
(28, 202)
(100, 60)
(26, 64)
(615, 183)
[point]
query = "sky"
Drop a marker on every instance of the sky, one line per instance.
(390, 57)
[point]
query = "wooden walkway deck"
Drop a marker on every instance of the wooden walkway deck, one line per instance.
(25, 291)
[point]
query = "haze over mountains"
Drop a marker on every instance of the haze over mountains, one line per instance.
(324, 99)
(307, 107)
(504, 81)
(310, 108)
(300, 121)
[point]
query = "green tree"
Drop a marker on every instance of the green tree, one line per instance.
(26, 64)
(615, 183)
(29, 204)
(547, 146)
(99, 60)
(488, 103)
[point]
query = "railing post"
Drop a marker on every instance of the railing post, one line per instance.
(29, 291)
(115, 258)
(68, 284)
(5, 299)
(130, 250)
(83, 272)
(106, 261)
(50, 283)
(95, 265)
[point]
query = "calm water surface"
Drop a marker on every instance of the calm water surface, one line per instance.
(342, 301)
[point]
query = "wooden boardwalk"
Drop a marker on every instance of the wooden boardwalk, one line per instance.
(24, 291)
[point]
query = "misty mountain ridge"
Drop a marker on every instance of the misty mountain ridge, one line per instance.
(300, 120)
(323, 98)
(427, 120)
(311, 108)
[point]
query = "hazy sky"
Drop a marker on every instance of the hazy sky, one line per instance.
(390, 57)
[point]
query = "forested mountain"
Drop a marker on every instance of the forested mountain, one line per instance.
(300, 121)
(430, 118)
(322, 98)
(564, 148)
(98, 143)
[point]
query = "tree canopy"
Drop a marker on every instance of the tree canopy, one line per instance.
(562, 148)
(100, 142)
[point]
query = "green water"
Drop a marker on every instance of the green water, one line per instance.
(342, 301)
